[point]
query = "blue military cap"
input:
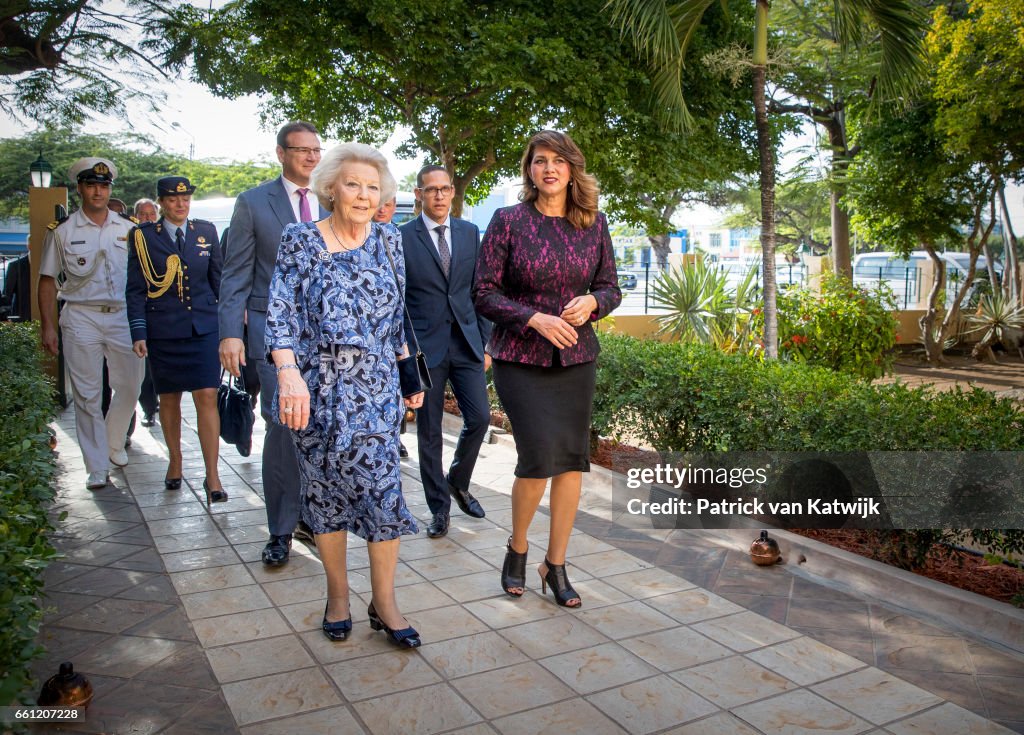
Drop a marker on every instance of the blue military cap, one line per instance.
(172, 185)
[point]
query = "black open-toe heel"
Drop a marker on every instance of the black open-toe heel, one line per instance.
(560, 586)
(513, 571)
(172, 483)
(404, 638)
(338, 630)
(214, 496)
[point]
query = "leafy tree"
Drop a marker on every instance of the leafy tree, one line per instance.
(909, 191)
(138, 170)
(62, 61)
(801, 211)
(979, 87)
(471, 81)
(665, 31)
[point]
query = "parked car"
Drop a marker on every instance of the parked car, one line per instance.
(627, 280)
(904, 275)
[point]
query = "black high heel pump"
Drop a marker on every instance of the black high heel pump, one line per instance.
(560, 586)
(513, 571)
(214, 496)
(404, 638)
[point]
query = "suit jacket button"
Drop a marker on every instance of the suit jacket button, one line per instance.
(189, 308)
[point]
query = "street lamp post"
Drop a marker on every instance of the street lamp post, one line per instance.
(43, 201)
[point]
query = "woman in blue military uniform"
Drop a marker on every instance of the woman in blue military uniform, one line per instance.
(174, 267)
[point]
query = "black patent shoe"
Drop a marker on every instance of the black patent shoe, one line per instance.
(339, 630)
(404, 638)
(438, 526)
(402, 451)
(172, 483)
(466, 502)
(275, 553)
(560, 586)
(214, 496)
(513, 571)
(149, 421)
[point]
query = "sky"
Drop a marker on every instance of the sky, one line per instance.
(195, 121)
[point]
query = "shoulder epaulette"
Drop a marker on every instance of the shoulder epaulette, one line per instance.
(203, 222)
(129, 217)
(53, 225)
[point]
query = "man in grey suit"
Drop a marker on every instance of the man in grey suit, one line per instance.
(260, 215)
(440, 261)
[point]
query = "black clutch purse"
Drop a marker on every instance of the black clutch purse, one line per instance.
(413, 373)
(237, 417)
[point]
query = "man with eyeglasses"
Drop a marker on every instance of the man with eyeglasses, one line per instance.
(260, 215)
(440, 261)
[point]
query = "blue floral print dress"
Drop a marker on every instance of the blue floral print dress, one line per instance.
(341, 313)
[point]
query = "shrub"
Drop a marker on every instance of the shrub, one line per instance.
(26, 466)
(845, 327)
(679, 398)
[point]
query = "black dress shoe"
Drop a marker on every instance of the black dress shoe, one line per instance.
(402, 451)
(149, 421)
(303, 532)
(438, 526)
(275, 553)
(466, 502)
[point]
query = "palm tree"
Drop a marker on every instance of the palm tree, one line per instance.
(663, 30)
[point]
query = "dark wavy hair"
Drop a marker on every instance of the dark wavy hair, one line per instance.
(581, 196)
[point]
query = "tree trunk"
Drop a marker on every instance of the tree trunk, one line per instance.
(661, 245)
(1011, 269)
(933, 342)
(842, 259)
(766, 154)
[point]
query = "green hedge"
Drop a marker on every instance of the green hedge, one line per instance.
(26, 468)
(677, 397)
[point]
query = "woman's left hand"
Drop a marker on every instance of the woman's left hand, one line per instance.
(577, 312)
(415, 400)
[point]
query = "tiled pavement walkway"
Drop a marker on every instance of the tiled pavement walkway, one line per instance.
(166, 607)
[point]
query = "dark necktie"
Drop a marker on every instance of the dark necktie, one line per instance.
(442, 248)
(179, 240)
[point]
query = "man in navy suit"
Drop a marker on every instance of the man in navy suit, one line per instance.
(440, 261)
(260, 215)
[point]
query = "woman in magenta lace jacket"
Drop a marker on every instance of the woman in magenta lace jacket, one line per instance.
(546, 273)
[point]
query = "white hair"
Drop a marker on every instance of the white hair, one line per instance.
(327, 171)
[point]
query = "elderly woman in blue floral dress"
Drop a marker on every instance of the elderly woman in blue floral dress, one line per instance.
(334, 333)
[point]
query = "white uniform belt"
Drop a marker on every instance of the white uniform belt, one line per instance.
(103, 308)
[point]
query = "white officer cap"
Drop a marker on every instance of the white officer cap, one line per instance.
(92, 169)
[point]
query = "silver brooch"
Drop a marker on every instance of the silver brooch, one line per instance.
(324, 256)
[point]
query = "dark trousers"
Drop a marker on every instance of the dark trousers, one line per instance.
(147, 394)
(280, 464)
(465, 372)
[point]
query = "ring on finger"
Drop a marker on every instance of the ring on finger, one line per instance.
(287, 410)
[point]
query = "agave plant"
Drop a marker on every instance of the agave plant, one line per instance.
(1001, 319)
(701, 307)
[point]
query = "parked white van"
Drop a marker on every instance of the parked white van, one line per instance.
(905, 275)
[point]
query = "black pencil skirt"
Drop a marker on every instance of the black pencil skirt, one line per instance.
(550, 410)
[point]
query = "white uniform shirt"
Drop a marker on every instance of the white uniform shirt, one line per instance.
(92, 258)
(293, 198)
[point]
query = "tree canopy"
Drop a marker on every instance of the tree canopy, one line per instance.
(62, 61)
(138, 170)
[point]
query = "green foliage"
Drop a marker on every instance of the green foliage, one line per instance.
(62, 61)
(138, 170)
(702, 308)
(845, 327)
(801, 211)
(999, 316)
(469, 92)
(978, 61)
(690, 397)
(26, 466)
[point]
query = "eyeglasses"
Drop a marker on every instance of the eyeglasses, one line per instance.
(304, 150)
(433, 191)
